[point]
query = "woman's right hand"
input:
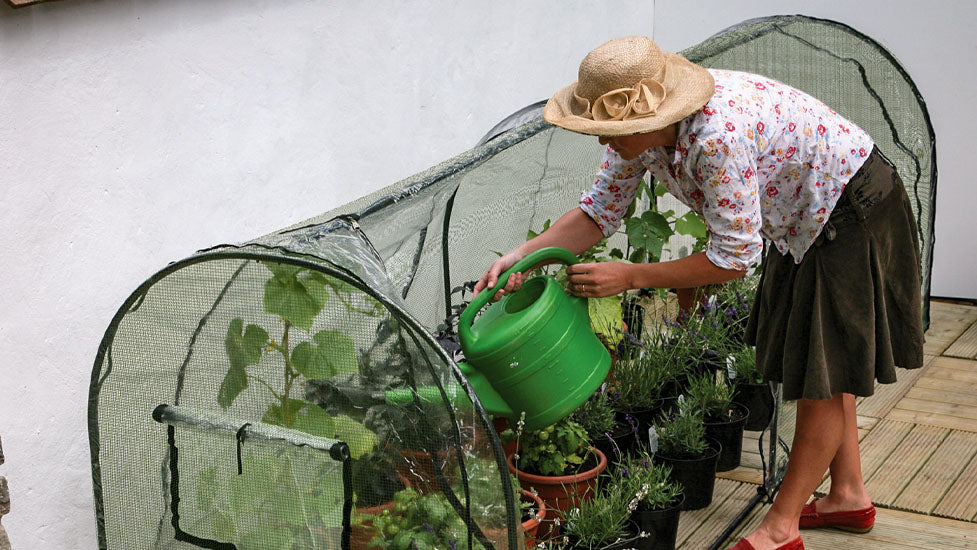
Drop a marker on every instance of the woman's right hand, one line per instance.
(498, 267)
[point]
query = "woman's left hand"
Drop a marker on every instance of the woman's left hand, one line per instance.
(599, 279)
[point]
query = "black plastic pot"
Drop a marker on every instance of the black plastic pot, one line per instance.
(660, 525)
(729, 434)
(637, 422)
(759, 399)
(696, 475)
(614, 445)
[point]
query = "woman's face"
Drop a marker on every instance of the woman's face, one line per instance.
(629, 147)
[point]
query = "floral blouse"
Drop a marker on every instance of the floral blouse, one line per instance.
(760, 160)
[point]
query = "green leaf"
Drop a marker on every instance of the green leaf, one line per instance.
(314, 420)
(258, 480)
(332, 353)
(360, 439)
(276, 413)
(243, 347)
(207, 489)
(660, 190)
(605, 318)
(691, 224)
(223, 527)
(267, 537)
(295, 294)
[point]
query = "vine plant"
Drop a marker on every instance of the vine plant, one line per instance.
(297, 295)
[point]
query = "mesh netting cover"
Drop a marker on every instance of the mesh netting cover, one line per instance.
(255, 396)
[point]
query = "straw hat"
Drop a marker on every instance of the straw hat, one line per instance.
(629, 86)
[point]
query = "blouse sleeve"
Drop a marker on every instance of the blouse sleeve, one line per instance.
(614, 189)
(723, 165)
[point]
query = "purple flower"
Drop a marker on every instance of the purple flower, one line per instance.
(645, 463)
(624, 471)
(427, 527)
(453, 544)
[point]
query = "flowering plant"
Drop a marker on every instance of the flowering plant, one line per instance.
(649, 483)
(681, 434)
(600, 521)
(710, 396)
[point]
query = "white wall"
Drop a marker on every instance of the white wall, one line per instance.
(133, 132)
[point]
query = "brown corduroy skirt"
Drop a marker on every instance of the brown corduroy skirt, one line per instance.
(850, 312)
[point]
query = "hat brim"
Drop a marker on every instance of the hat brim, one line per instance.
(693, 87)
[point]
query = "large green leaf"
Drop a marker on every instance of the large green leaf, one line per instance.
(243, 347)
(314, 420)
(207, 489)
(295, 294)
(649, 232)
(223, 527)
(360, 439)
(691, 224)
(277, 415)
(268, 537)
(331, 353)
(258, 479)
(605, 318)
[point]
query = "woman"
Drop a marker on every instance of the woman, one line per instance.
(838, 305)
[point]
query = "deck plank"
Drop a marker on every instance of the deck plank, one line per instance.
(947, 322)
(718, 521)
(888, 395)
(938, 474)
(964, 346)
(892, 476)
(961, 500)
(691, 520)
(875, 448)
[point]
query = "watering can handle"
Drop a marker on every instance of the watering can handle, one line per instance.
(549, 253)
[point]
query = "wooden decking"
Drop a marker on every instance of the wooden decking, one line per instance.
(919, 455)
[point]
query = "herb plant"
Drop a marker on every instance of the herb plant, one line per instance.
(596, 415)
(681, 434)
(420, 522)
(742, 366)
(599, 521)
(646, 483)
(710, 396)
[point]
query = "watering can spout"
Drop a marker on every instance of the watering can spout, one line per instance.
(491, 400)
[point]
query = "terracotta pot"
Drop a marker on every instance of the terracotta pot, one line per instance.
(361, 535)
(560, 492)
(417, 469)
(531, 525)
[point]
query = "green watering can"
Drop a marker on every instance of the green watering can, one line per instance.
(533, 351)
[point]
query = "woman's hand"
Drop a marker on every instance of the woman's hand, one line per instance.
(599, 279)
(491, 277)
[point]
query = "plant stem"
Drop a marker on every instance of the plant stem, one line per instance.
(286, 413)
(265, 384)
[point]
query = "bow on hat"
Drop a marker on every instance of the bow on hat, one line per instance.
(623, 103)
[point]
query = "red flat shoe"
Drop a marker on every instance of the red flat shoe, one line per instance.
(855, 521)
(796, 544)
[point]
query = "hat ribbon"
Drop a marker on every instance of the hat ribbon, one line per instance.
(623, 103)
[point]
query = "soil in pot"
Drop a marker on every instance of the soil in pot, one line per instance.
(559, 493)
(697, 475)
(759, 399)
(729, 433)
(660, 525)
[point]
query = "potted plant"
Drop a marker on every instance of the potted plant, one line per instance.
(656, 498)
(374, 481)
(680, 442)
(557, 464)
(601, 522)
(749, 388)
(604, 429)
(644, 376)
(420, 522)
(712, 398)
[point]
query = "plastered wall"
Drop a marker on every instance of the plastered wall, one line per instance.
(134, 132)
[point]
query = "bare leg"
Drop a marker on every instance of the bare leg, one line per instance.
(820, 430)
(847, 487)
